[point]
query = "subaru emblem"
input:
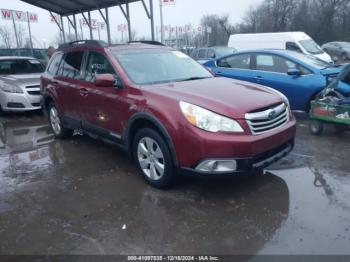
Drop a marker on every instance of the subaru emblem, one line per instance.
(272, 114)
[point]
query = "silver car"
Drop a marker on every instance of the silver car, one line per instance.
(20, 83)
(338, 50)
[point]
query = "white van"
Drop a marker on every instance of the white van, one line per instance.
(296, 41)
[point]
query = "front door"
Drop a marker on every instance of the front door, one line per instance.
(102, 106)
(271, 70)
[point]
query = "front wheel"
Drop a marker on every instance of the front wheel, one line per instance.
(56, 123)
(316, 128)
(153, 158)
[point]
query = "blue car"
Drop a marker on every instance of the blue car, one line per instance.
(299, 77)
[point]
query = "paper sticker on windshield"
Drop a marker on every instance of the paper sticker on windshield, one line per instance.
(179, 54)
(34, 62)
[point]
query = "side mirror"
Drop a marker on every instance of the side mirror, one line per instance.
(294, 72)
(104, 80)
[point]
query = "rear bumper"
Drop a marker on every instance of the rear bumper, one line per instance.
(19, 102)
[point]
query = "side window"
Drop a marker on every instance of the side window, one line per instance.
(97, 64)
(238, 62)
(211, 53)
(54, 64)
(264, 62)
(293, 47)
(202, 53)
(71, 65)
(277, 64)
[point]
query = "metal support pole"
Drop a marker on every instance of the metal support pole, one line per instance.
(161, 21)
(15, 28)
(106, 19)
(90, 26)
(108, 27)
(30, 34)
(152, 19)
(128, 19)
(75, 28)
(62, 30)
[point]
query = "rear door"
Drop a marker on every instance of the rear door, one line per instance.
(271, 70)
(236, 66)
(69, 80)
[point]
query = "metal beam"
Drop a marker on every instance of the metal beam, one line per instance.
(108, 27)
(63, 33)
(152, 19)
(146, 9)
(128, 19)
(76, 29)
(74, 25)
(91, 35)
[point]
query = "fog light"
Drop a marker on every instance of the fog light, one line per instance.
(217, 166)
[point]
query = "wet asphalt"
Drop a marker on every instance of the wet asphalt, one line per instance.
(82, 196)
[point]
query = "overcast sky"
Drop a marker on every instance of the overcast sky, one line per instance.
(184, 12)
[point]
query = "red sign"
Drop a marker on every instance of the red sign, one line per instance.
(19, 16)
(168, 2)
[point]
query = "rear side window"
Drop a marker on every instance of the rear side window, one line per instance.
(54, 64)
(97, 64)
(71, 65)
(238, 62)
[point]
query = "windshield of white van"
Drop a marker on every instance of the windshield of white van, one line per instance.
(311, 47)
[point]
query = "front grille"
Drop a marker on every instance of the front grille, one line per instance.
(35, 104)
(33, 90)
(15, 105)
(267, 120)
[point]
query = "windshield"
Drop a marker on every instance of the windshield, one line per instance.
(345, 44)
(159, 66)
(311, 47)
(223, 51)
(20, 66)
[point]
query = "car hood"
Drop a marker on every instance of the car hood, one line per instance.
(333, 71)
(21, 80)
(225, 96)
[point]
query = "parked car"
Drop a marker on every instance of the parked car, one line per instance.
(20, 83)
(338, 49)
(294, 41)
(165, 109)
(203, 55)
(299, 77)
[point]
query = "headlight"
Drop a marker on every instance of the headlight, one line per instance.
(207, 120)
(10, 88)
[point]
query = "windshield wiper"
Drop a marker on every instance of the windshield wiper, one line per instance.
(193, 78)
(331, 66)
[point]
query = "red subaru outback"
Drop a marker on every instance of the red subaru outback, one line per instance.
(166, 110)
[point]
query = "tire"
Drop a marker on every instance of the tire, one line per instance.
(344, 57)
(153, 159)
(56, 123)
(316, 128)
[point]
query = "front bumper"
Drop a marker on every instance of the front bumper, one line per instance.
(246, 165)
(19, 102)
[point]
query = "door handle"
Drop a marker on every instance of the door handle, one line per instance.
(83, 91)
(258, 78)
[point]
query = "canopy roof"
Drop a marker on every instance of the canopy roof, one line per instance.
(70, 7)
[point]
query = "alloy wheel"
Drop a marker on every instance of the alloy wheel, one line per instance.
(55, 121)
(151, 158)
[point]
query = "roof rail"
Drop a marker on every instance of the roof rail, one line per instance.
(83, 42)
(148, 42)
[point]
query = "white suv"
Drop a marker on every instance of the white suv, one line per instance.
(20, 83)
